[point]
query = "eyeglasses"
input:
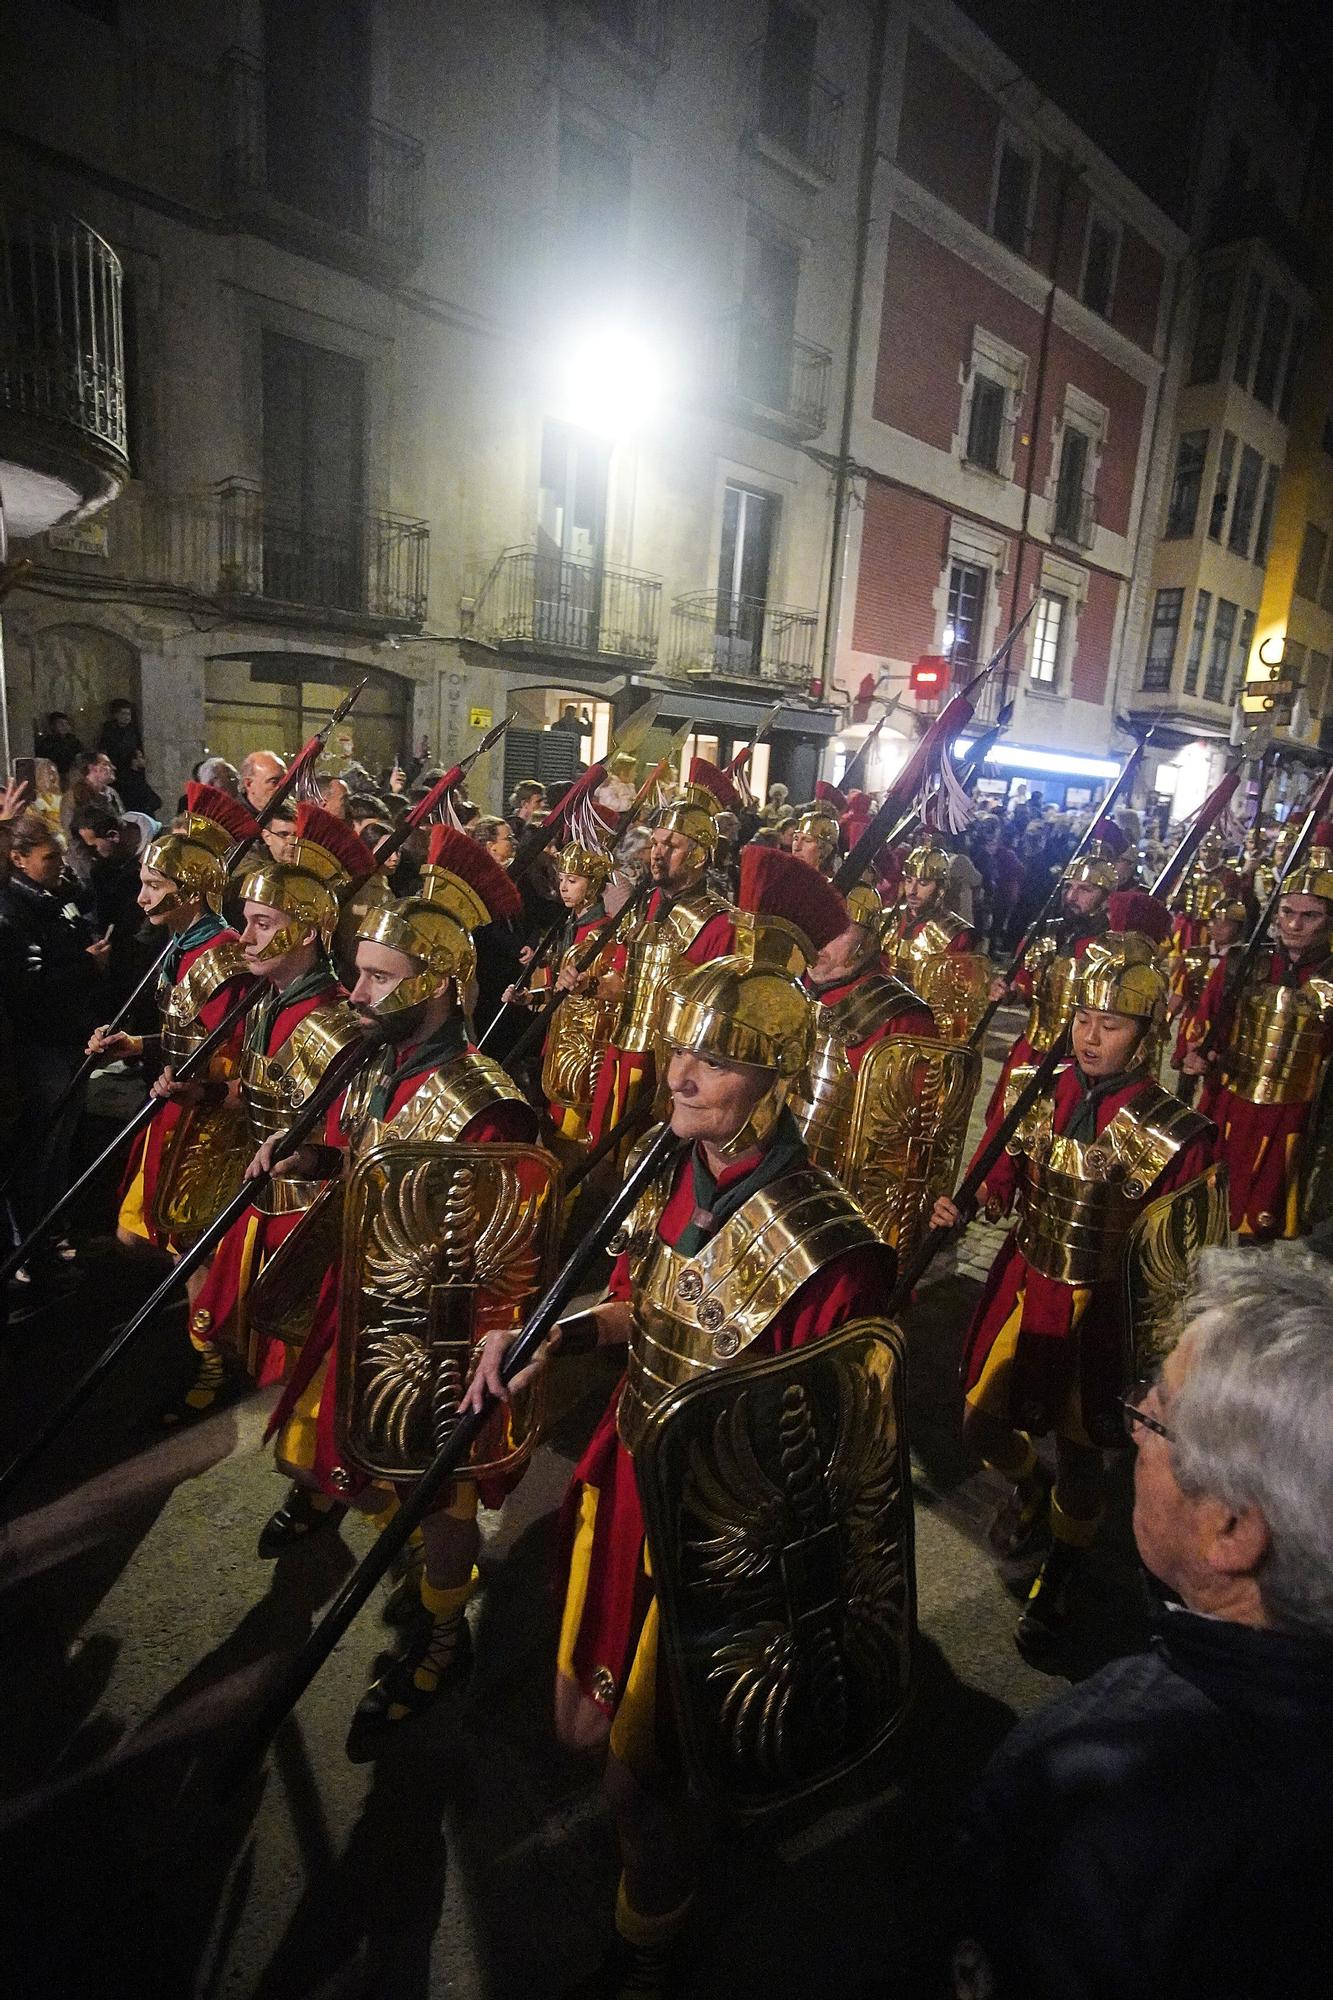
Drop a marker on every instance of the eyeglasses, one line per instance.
(1132, 1407)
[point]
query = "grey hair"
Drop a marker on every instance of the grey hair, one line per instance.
(1253, 1416)
(218, 772)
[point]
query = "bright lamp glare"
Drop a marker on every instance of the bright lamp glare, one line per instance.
(613, 380)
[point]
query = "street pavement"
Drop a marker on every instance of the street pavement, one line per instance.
(473, 1859)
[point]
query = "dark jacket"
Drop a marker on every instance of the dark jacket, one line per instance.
(1165, 1828)
(53, 991)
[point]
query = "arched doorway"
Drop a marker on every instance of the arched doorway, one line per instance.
(276, 701)
(82, 669)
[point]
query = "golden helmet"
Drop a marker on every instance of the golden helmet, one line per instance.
(1122, 973)
(865, 905)
(462, 889)
(928, 863)
(193, 854)
(575, 858)
(818, 823)
(1096, 864)
(695, 810)
(1314, 876)
(1210, 852)
(327, 860)
(750, 1007)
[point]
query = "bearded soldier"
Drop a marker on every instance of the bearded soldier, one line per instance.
(291, 910)
(1046, 977)
(183, 874)
(414, 960)
(923, 926)
(1047, 1345)
(683, 920)
(741, 1249)
(1265, 1051)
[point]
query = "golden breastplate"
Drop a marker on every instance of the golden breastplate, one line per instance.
(821, 1100)
(579, 1032)
(1078, 1198)
(184, 1002)
(275, 1086)
(1200, 897)
(908, 955)
(1277, 1050)
(650, 959)
(440, 1109)
(694, 1314)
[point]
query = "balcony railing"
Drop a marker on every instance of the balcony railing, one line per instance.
(1074, 519)
(639, 27)
(767, 369)
(797, 114)
(319, 177)
(540, 601)
(741, 638)
(234, 541)
(62, 356)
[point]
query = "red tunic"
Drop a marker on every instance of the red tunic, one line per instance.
(913, 1020)
(629, 1076)
(150, 1144)
(1022, 1051)
(565, 1120)
(617, 1597)
(219, 1310)
(504, 1122)
(1262, 1144)
(1069, 1338)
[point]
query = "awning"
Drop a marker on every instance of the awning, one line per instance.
(682, 702)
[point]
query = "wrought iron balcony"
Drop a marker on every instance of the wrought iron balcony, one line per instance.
(1074, 519)
(535, 601)
(233, 541)
(348, 189)
(62, 366)
(769, 372)
(741, 639)
(792, 116)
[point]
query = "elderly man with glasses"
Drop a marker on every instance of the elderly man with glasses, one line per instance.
(1166, 1827)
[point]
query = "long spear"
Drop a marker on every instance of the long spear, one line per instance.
(856, 770)
(338, 1074)
(302, 762)
(977, 1038)
(453, 1454)
(1173, 873)
(585, 956)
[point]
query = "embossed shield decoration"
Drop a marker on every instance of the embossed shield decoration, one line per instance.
(1162, 1261)
(955, 986)
(909, 1126)
(441, 1244)
(579, 1032)
(777, 1498)
(203, 1165)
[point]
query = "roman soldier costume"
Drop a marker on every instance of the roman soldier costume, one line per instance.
(290, 1038)
(1207, 888)
(821, 822)
(201, 977)
(1191, 979)
(580, 1027)
(1267, 1091)
(693, 926)
(688, 1545)
(912, 940)
(1051, 1346)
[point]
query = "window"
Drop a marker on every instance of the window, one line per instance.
(985, 423)
(1243, 652)
(1203, 604)
(594, 194)
(313, 457)
(1219, 659)
(1310, 567)
(787, 75)
(1073, 518)
(1162, 640)
(1210, 325)
(1247, 494)
(1290, 373)
(1099, 261)
(749, 531)
(1052, 615)
(768, 321)
(1013, 196)
(1277, 318)
(1264, 535)
(1183, 506)
(571, 524)
(1316, 684)
(1217, 518)
(316, 139)
(1249, 329)
(967, 609)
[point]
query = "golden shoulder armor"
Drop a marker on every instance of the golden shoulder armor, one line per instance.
(274, 1086)
(821, 1099)
(184, 1001)
(692, 1314)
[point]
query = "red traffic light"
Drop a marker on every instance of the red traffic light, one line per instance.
(929, 677)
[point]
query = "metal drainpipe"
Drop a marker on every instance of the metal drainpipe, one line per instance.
(1038, 394)
(837, 577)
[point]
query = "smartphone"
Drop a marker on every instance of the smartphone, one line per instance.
(25, 773)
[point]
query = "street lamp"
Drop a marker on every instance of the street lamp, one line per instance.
(612, 379)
